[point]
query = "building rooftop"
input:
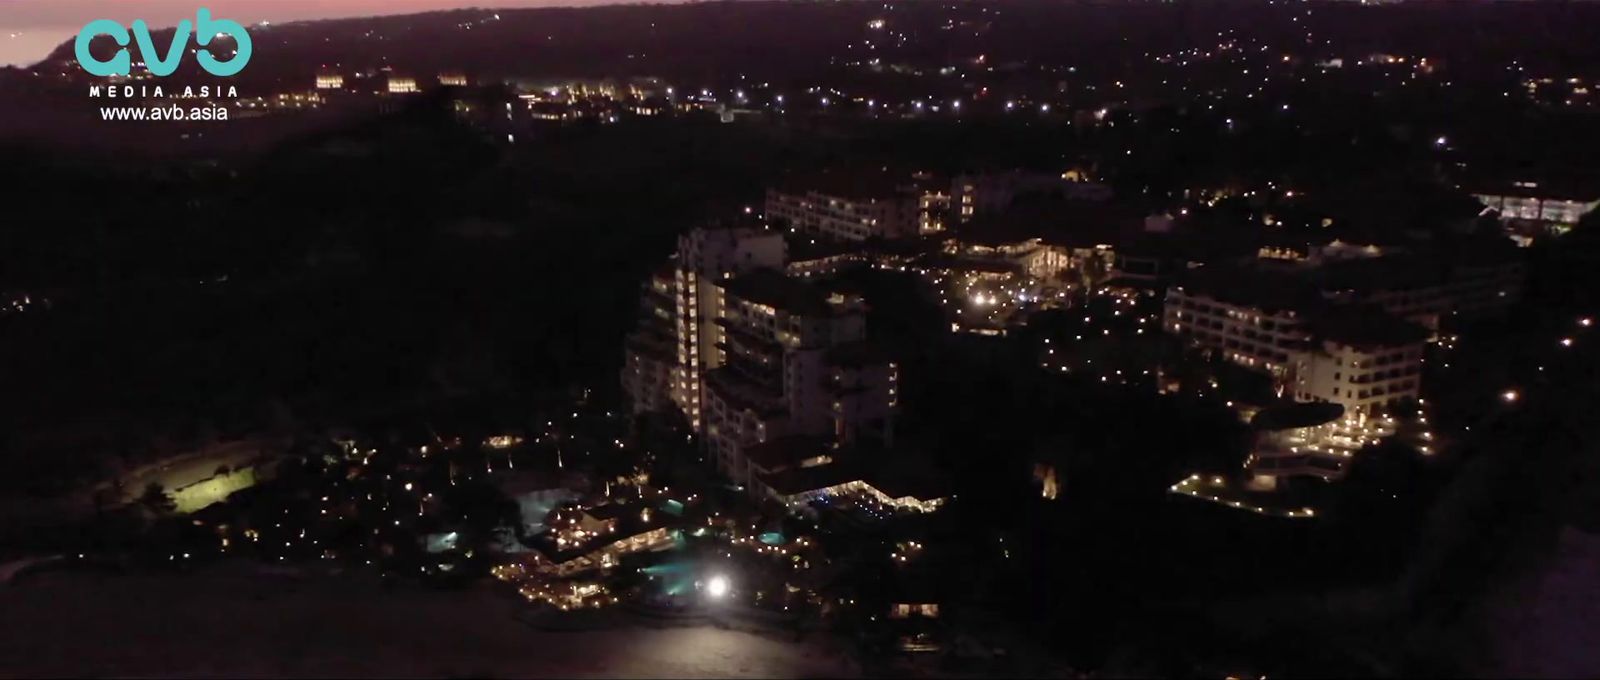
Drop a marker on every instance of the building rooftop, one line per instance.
(1364, 326)
(609, 511)
(1412, 270)
(896, 474)
(774, 289)
(901, 476)
(1268, 290)
(802, 249)
(1380, 273)
(738, 221)
(787, 452)
(850, 183)
(800, 480)
(631, 520)
(1294, 416)
(1580, 189)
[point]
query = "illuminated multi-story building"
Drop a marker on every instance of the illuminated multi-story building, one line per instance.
(706, 256)
(651, 374)
(853, 206)
(1351, 337)
(791, 360)
(1251, 318)
(284, 101)
(884, 203)
(1030, 256)
(670, 348)
(330, 81)
(1362, 359)
(751, 355)
(1526, 206)
(403, 85)
(933, 211)
(1255, 315)
(1427, 289)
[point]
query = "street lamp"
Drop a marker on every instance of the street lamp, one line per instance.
(717, 587)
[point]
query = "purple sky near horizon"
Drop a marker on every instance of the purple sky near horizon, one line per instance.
(29, 29)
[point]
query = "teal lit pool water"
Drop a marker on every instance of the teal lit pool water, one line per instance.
(672, 578)
(676, 572)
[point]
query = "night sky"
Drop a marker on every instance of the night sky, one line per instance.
(29, 29)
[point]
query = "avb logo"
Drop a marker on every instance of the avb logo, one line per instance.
(204, 30)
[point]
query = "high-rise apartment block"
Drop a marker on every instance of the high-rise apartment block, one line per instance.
(752, 356)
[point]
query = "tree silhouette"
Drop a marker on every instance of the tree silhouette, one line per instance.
(156, 498)
(1091, 272)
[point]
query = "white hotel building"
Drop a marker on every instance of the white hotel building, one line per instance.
(1273, 319)
(1364, 360)
(1427, 290)
(1251, 320)
(1359, 357)
(850, 206)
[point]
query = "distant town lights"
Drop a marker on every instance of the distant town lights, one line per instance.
(1510, 396)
